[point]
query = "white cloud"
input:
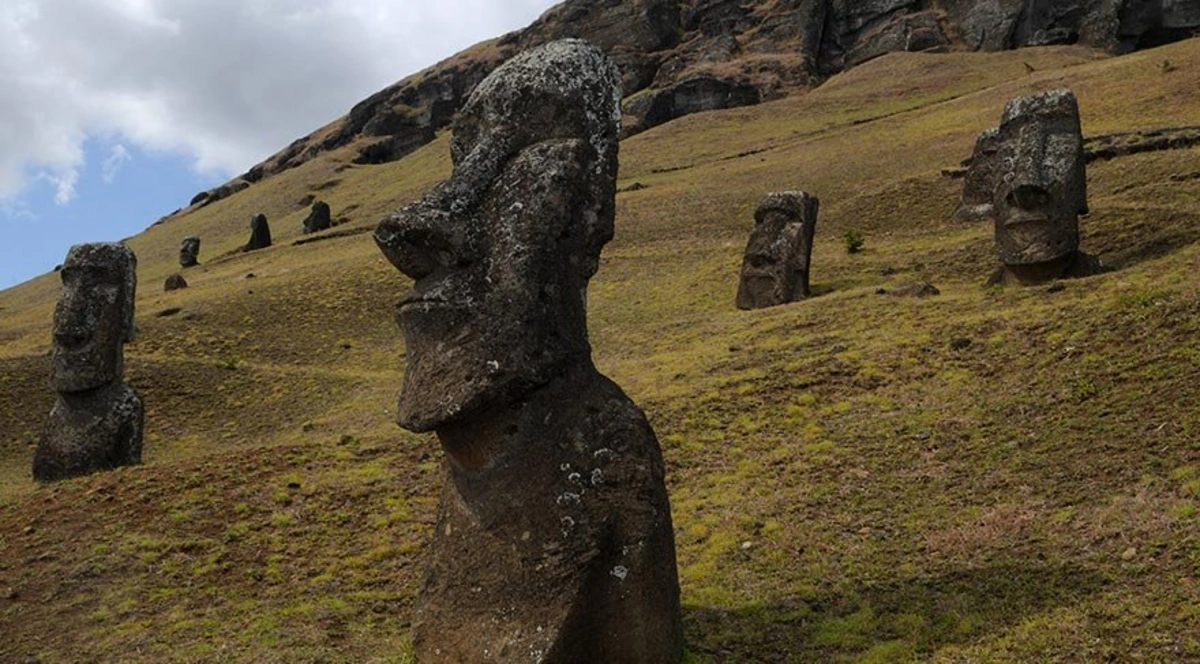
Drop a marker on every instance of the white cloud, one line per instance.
(116, 158)
(225, 82)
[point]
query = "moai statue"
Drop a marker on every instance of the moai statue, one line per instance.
(1036, 174)
(976, 203)
(96, 423)
(174, 282)
(189, 252)
(778, 255)
(553, 540)
(319, 218)
(260, 233)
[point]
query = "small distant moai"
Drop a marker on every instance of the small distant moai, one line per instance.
(175, 282)
(1034, 167)
(976, 203)
(96, 422)
(318, 219)
(776, 263)
(553, 540)
(189, 252)
(260, 233)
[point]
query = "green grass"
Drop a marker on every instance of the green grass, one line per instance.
(847, 486)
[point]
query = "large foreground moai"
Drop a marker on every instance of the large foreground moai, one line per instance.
(553, 540)
(775, 265)
(96, 423)
(1034, 168)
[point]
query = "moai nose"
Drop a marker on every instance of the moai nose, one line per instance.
(420, 239)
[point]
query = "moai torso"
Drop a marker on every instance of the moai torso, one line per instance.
(775, 267)
(554, 540)
(96, 423)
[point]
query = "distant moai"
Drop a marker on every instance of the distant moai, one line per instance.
(174, 282)
(1033, 165)
(189, 252)
(553, 540)
(319, 218)
(96, 422)
(260, 233)
(776, 264)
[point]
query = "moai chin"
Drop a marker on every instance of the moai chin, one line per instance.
(553, 540)
(260, 233)
(776, 263)
(189, 252)
(96, 422)
(1038, 183)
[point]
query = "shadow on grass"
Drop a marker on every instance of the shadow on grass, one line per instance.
(884, 622)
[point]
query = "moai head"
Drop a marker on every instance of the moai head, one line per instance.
(1040, 184)
(501, 260)
(319, 218)
(979, 182)
(775, 265)
(189, 252)
(260, 233)
(94, 316)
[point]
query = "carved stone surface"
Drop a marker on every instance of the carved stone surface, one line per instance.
(1033, 165)
(319, 218)
(96, 423)
(776, 263)
(189, 252)
(175, 282)
(260, 233)
(553, 541)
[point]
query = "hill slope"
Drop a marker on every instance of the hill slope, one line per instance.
(847, 483)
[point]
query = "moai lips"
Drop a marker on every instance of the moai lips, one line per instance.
(553, 541)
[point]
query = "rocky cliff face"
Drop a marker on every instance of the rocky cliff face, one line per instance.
(680, 57)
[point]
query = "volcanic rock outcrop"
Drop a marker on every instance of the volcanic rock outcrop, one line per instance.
(96, 422)
(776, 263)
(553, 540)
(1033, 166)
(189, 252)
(260, 233)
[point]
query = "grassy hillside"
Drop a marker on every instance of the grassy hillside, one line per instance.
(985, 475)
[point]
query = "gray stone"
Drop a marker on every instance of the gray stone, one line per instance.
(96, 422)
(318, 219)
(260, 233)
(553, 541)
(189, 252)
(175, 282)
(776, 264)
(976, 204)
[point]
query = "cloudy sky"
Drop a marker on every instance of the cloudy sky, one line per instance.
(115, 112)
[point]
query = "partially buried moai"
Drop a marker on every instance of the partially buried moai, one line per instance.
(775, 266)
(260, 233)
(1033, 165)
(553, 540)
(96, 422)
(189, 252)
(319, 218)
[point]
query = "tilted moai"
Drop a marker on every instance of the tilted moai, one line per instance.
(553, 540)
(260, 233)
(96, 423)
(189, 252)
(319, 218)
(1033, 165)
(776, 263)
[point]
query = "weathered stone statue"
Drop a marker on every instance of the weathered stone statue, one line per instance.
(777, 258)
(260, 233)
(1033, 165)
(96, 423)
(319, 218)
(189, 252)
(174, 282)
(976, 204)
(553, 541)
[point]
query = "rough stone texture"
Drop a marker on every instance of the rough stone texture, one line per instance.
(96, 422)
(553, 541)
(319, 218)
(175, 282)
(976, 204)
(260, 233)
(189, 252)
(1034, 166)
(776, 263)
